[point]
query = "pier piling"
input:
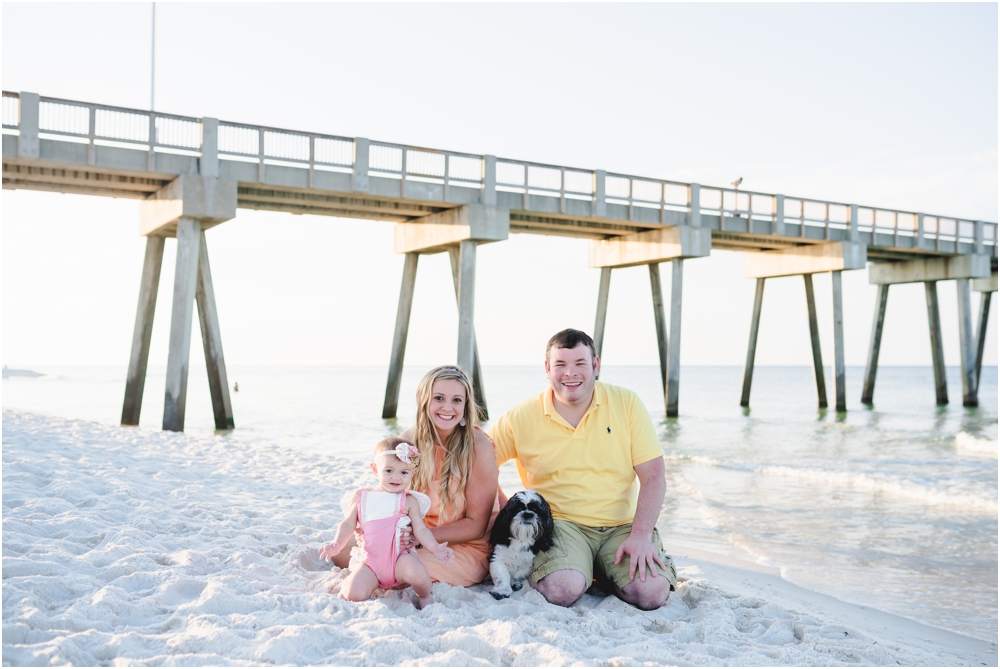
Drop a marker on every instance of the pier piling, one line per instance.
(650, 248)
(984, 317)
(758, 301)
(817, 351)
(466, 304)
(602, 309)
(658, 317)
(674, 341)
(478, 387)
(985, 286)
(211, 337)
(833, 257)
(838, 339)
(871, 366)
(181, 317)
(403, 311)
(149, 285)
(965, 345)
(937, 348)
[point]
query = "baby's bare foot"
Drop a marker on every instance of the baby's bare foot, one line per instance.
(424, 602)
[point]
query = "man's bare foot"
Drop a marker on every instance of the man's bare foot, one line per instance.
(423, 602)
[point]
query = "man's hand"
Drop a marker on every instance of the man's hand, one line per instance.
(641, 554)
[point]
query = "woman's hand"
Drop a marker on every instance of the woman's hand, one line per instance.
(406, 540)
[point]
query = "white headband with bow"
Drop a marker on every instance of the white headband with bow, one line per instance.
(407, 453)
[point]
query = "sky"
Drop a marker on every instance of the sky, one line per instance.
(892, 105)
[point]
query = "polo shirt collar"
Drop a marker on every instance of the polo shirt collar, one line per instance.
(548, 403)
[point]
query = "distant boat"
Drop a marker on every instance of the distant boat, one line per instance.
(7, 373)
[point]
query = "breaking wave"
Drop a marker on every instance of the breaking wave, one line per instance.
(888, 486)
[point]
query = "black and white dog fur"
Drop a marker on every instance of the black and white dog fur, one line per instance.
(522, 529)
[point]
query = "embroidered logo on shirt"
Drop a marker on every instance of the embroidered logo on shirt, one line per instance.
(609, 429)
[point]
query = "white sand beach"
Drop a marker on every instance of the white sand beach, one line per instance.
(141, 547)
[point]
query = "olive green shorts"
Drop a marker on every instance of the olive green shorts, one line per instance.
(589, 549)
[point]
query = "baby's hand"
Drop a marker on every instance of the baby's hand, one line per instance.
(330, 550)
(443, 553)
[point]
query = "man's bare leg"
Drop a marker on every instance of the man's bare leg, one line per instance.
(646, 595)
(563, 587)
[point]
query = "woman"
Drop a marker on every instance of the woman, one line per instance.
(458, 471)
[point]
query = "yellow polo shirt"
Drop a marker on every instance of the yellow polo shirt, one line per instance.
(586, 474)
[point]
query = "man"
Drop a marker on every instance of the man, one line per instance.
(583, 445)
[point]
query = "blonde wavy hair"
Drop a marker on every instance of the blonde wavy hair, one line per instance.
(461, 445)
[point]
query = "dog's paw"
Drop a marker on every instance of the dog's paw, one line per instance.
(498, 595)
(516, 585)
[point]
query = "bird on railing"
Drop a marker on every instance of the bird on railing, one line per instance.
(736, 201)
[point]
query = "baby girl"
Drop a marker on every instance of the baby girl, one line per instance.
(379, 513)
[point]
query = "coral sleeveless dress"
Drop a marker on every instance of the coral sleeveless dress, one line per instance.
(472, 559)
(381, 517)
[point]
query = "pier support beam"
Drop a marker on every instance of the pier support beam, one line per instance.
(758, 301)
(965, 344)
(211, 337)
(185, 208)
(871, 366)
(458, 231)
(602, 309)
(985, 287)
(674, 343)
(838, 340)
(478, 387)
(806, 260)
(929, 271)
(466, 305)
(438, 232)
(937, 349)
(399, 335)
(135, 382)
(651, 248)
(817, 351)
(984, 317)
(658, 317)
(181, 317)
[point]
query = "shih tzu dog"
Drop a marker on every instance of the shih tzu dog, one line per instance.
(523, 527)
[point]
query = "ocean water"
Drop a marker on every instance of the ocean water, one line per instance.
(892, 506)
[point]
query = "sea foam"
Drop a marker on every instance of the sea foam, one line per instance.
(966, 444)
(892, 486)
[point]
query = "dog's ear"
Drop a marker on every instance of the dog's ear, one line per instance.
(500, 534)
(547, 536)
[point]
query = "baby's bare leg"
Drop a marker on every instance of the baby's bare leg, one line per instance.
(360, 585)
(411, 571)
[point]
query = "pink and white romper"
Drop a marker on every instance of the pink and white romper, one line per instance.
(381, 518)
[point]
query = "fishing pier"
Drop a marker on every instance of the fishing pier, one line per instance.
(195, 173)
